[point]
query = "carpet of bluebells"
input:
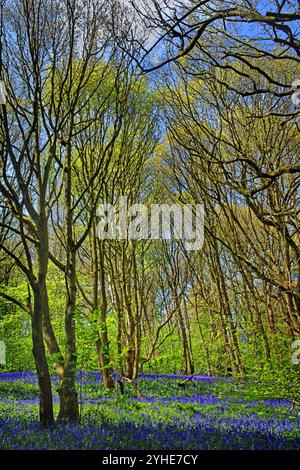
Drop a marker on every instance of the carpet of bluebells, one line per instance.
(210, 413)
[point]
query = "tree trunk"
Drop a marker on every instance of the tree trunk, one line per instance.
(69, 408)
(40, 307)
(203, 339)
(46, 415)
(102, 342)
(104, 365)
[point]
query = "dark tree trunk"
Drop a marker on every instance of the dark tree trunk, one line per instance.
(104, 364)
(129, 362)
(46, 415)
(69, 407)
(102, 342)
(39, 312)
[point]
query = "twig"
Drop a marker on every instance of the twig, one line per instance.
(184, 383)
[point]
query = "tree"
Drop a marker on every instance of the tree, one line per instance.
(49, 53)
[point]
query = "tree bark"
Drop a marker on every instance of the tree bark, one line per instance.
(46, 414)
(69, 408)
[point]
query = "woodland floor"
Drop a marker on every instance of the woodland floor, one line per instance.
(213, 413)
